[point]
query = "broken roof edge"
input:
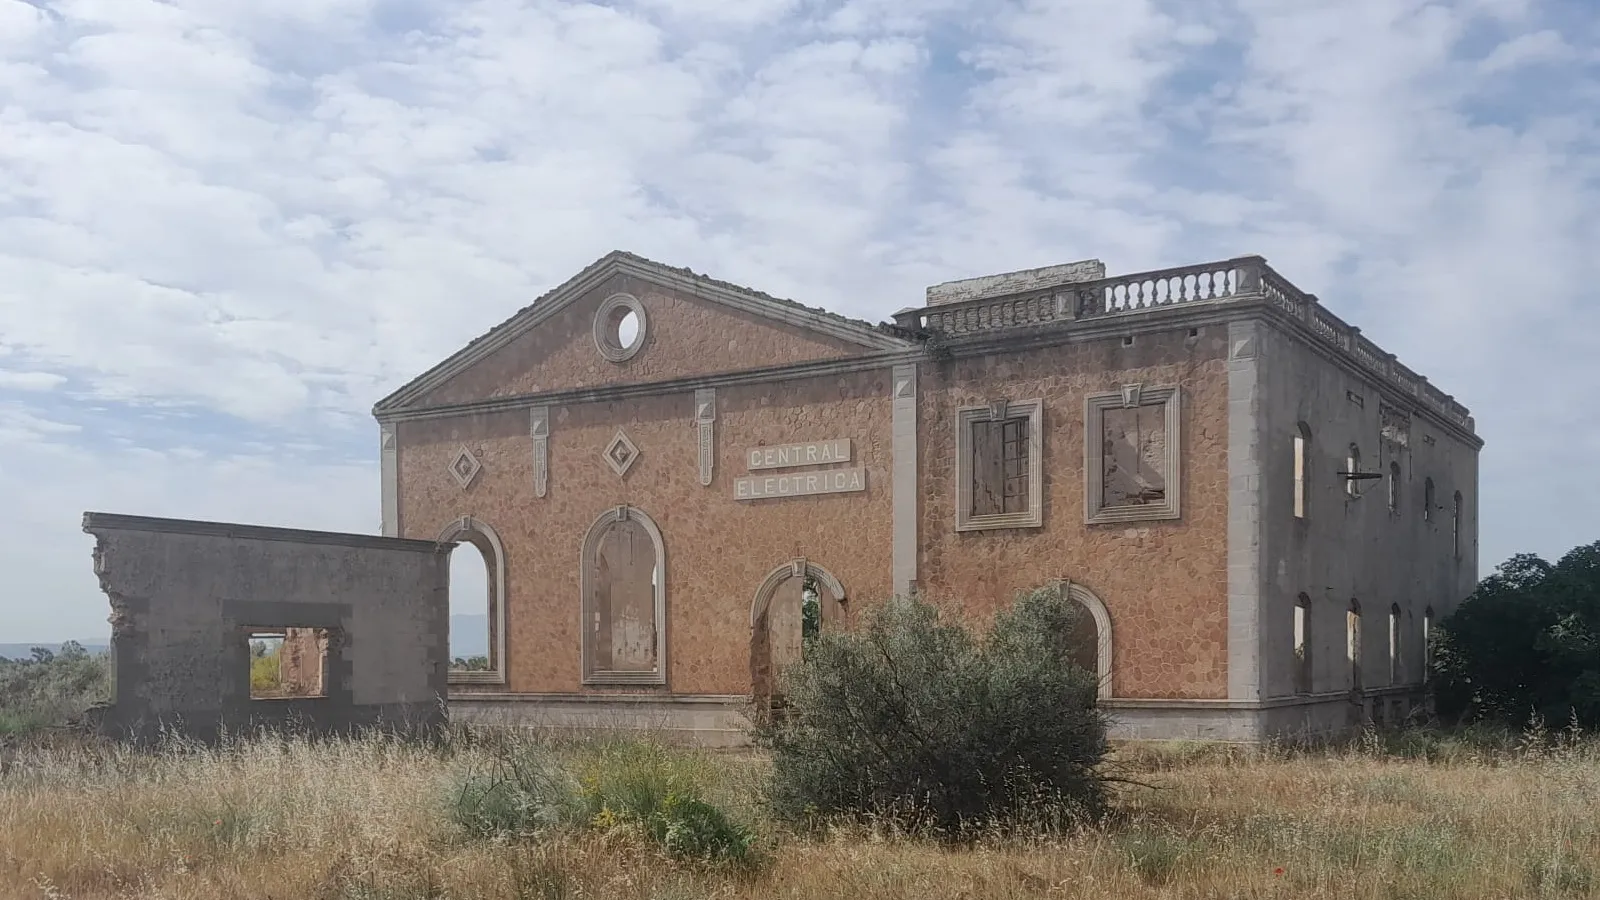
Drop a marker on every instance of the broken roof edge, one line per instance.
(96, 522)
(880, 336)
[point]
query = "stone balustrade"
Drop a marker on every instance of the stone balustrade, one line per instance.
(1215, 282)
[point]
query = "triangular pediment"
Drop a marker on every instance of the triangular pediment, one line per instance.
(694, 326)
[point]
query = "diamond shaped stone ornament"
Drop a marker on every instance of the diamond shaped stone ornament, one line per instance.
(620, 453)
(464, 467)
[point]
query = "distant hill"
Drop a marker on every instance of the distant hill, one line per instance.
(25, 651)
(469, 636)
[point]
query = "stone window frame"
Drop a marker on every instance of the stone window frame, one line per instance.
(999, 410)
(609, 316)
(481, 535)
(591, 543)
(1130, 396)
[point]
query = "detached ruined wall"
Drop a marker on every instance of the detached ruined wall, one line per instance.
(185, 597)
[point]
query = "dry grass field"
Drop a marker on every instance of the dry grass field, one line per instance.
(1396, 817)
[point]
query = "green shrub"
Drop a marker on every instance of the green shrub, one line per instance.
(659, 791)
(917, 720)
(526, 790)
(52, 688)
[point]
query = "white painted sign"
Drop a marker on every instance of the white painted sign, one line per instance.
(833, 481)
(785, 456)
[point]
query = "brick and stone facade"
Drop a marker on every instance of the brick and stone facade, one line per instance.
(555, 436)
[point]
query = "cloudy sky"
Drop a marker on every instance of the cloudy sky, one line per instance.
(227, 227)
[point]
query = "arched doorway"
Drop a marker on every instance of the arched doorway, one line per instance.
(1093, 651)
(794, 603)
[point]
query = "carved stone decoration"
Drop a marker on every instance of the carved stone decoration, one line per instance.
(997, 410)
(1132, 455)
(464, 467)
(621, 453)
(1395, 425)
(1130, 395)
(797, 567)
(705, 418)
(539, 430)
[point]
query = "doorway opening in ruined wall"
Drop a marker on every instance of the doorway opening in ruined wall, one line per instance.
(792, 607)
(286, 663)
(1091, 648)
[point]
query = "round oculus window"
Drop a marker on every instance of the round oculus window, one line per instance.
(620, 327)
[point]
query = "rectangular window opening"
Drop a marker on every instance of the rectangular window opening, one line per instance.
(288, 663)
(999, 467)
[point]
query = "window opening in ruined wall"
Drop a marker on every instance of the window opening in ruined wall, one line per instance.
(469, 609)
(624, 600)
(1302, 644)
(998, 465)
(1427, 644)
(1352, 465)
(1132, 455)
(1302, 463)
(1394, 488)
(1455, 525)
(1396, 661)
(1427, 500)
(477, 613)
(1352, 644)
(288, 663)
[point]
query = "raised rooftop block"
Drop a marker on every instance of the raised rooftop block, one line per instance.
(1019, 282)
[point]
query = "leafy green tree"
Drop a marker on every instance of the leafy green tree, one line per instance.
(1525, 643)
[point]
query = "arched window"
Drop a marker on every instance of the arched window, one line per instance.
(1394, 488)
(624, 584)
(1427, 644)
(1396, 664)
(1427, 500)
(477, 603)
(792, 606)
(1302, 473)
(1352, 643)
(1302, 644)
(1352, 465)
(1455, 525)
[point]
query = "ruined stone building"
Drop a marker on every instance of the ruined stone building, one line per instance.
(668, 477)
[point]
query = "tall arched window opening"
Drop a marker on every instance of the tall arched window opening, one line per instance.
(477, 602)
(624, 584)
(1302, 475)
(1352, 644)
(1455, 525)
(1396, 663)
(1302, 645)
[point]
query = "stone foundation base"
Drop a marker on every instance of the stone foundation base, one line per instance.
(716, 720)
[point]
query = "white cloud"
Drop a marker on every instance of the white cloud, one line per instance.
(30, 381)
(1527, 49)
(277, 213)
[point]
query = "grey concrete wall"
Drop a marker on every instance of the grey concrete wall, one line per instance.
(1352, 547)
(184, 595)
